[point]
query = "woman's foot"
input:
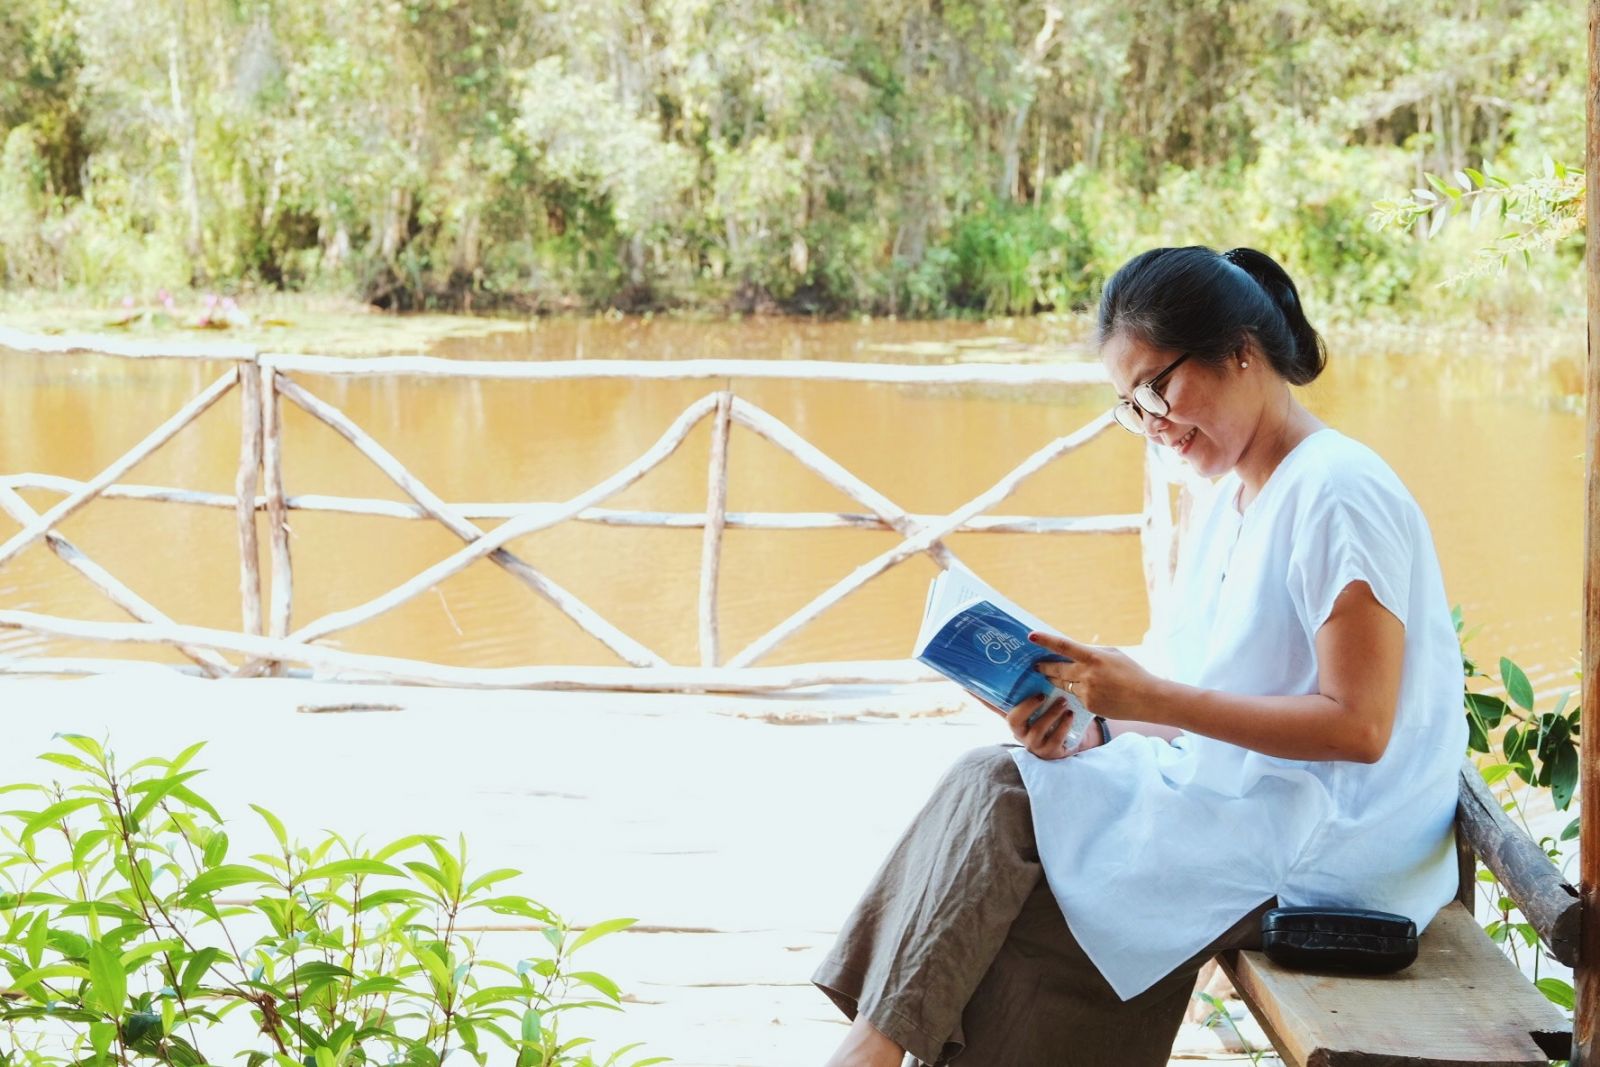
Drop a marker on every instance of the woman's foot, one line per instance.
(866, 1046)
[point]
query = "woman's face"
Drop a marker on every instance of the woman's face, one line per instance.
(1214, 410)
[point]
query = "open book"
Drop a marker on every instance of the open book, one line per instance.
(978, 639)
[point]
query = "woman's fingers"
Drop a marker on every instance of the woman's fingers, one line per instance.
(1054, 720)
(1049, 732)
(1017, 717)
(1044, 732)
(1043, 737)
(1061, 673)
(1063, 646)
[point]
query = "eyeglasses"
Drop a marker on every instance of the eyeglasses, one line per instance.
(1146, 400)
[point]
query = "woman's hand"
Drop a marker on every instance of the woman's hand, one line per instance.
(1107, 680)
(1044, 737)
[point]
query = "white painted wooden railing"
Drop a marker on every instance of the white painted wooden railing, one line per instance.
(268, 639)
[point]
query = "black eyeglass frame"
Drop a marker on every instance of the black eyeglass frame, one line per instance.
(1152, 403)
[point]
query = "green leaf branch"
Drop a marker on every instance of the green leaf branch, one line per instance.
(1532, 214)
(1538, 748)
(129, 932)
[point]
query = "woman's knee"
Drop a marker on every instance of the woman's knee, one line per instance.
(988, 766)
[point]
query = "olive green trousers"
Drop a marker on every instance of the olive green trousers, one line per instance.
(958, 951)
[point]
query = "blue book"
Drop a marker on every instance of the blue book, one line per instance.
(978, 639)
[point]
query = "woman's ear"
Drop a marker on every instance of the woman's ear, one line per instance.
(1243, 354)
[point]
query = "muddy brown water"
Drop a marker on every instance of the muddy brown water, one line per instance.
(1480, 427)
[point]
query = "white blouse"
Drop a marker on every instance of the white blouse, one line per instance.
(1153, 848)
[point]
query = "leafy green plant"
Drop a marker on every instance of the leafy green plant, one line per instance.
(1541, 212)
(1541, 750)
(993, 252)
(1011, 260)
(130, 934)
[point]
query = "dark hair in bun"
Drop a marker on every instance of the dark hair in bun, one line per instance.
(1196, 299)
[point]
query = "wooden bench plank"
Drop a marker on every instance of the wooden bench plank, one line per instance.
(1461, 1004)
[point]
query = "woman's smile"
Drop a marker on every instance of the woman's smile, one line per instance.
(1181, 445)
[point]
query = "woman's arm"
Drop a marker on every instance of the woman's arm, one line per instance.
(1140, 654)
(1359, 653)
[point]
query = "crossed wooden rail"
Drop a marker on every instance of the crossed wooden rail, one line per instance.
(267, 640)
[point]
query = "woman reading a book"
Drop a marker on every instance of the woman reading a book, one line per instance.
(1289, 732)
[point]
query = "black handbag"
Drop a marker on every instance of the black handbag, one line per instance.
(1339, 939)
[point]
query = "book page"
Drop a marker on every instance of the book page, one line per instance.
(950, 591)
(964, 587)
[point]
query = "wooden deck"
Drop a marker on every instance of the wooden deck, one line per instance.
(742, 829)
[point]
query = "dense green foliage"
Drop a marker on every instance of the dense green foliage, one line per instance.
(129, 934)
(827, 156)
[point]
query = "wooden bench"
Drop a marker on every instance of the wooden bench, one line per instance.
(1463, 1003)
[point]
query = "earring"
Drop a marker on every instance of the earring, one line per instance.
(1243, 363)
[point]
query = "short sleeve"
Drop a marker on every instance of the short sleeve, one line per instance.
(1353, 533)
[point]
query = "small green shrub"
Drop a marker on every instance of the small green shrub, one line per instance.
(1540, 749)
(129, 934)
(1011, 260)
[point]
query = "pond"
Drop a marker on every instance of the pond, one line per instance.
(1479, 424)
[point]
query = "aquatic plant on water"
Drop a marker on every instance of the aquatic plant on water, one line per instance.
(130, 933)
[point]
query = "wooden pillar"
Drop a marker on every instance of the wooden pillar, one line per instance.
(245, 483)
(716, 518)
(277, 509)
(1586, 1023)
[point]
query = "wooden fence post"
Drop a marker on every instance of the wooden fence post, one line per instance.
(1585, 1040)
(277, 510)
(245, 491)
(716, 518)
